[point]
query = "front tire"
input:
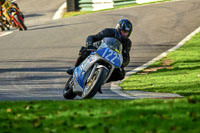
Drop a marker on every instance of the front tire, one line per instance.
(68, 91)
(97, 81)
(20, 23)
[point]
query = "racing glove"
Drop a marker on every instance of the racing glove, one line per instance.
(90, 46)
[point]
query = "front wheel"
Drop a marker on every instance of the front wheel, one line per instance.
(20, 23)
(95, 83)
(68, 92)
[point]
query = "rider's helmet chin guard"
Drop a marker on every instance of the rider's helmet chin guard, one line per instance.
(124, 27)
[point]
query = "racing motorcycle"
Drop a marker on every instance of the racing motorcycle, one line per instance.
(13, 15)
(95, 70)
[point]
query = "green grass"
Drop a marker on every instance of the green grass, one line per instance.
(180, 73)
(77, 13)
(114, 116)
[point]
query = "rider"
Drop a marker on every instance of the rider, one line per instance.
(122, 32)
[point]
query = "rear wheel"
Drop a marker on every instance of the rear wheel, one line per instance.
(7, 27)
(95, 83)
(2, 28)
(68, 92)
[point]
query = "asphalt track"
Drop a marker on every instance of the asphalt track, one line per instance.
(33, 63)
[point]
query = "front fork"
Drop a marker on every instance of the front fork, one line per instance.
(96, 65)
(92, 72)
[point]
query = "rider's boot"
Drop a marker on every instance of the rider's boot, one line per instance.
(2, 29)
(78, 62)
(70, 71)
(100, 91)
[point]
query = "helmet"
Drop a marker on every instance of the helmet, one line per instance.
(124, 27)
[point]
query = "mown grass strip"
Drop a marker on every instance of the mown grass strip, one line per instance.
(179, 72)
(152, 116)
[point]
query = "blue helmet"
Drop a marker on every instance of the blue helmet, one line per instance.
(124, 25)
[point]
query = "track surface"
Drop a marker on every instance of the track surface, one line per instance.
(33, 63)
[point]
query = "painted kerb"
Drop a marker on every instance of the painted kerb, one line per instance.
(94, 5)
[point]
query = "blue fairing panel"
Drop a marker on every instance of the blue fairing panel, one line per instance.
(110, 55)
(79, 75)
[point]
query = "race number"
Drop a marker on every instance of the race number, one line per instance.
(110, 56)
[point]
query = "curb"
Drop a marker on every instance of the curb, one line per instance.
(61, 10)
(59, 13)
(140, 94)
(5, 33)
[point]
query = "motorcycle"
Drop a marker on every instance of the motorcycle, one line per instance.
(95, 70)
(13, 15)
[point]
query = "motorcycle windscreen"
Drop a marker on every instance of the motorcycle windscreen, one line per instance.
(110, 55)
(79, 75)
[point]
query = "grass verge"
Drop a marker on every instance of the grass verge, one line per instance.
(99, 116)
(178, 72)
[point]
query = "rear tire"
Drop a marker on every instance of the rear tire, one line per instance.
(99, 76)
(7, 27)
(2, 28)
(68, 92)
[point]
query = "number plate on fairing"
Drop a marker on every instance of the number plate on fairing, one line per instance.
(109, 55)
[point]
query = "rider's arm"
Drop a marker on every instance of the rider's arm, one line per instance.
(98, 37)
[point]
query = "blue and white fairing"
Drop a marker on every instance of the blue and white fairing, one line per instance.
(81, 72)
(110, 51)
(110, 55)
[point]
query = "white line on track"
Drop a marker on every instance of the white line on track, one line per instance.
(5, 33)
(115, 85)
(59, 12)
